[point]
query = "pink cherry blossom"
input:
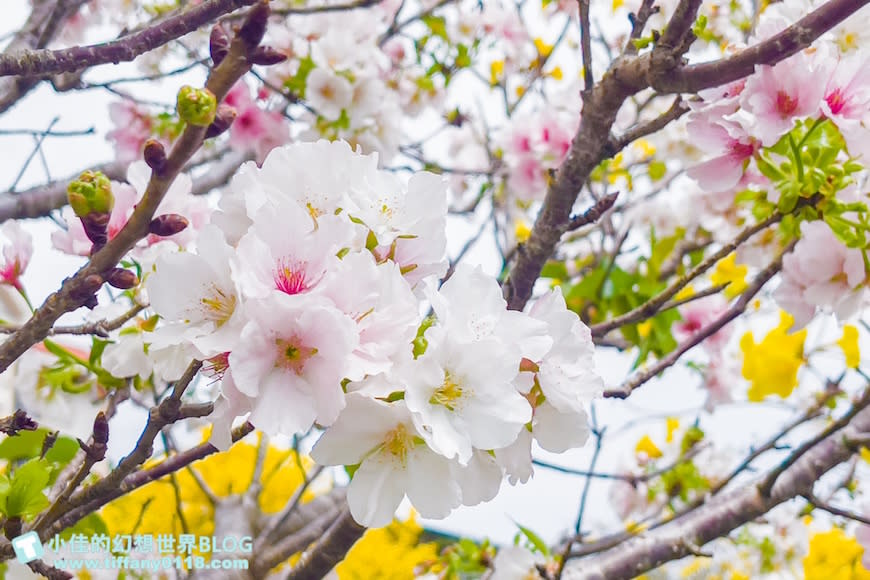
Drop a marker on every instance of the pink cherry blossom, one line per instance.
(133, 128)
(778, 95)
(255, 128)
(697, 315)
(16, 254)
(821, 272)
(847, 102)
(291, 356)
(733, 148)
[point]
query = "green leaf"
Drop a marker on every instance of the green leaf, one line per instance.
(436, 24)
(297, 83)
(536, 541)
(24, 445)
(554, 269)
(26, 496)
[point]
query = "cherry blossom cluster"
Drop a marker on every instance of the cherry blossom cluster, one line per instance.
(304, 296)
(761, 128)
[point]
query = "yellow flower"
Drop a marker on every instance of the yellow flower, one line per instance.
(646, 445)
(617, 4)
(522, 231)
(645, 147)
(153, 508)
(849, 344)
(543, 48)
(834, 556)
(556, 73)
(644, 328)
(392, 552)
(496, 72)
(771, 366)
(728, 272)
(687, 292)
(865, 454)
(672, 424)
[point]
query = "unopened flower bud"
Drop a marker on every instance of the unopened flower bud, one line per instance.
(155, 155)
(267, 56)
(167, 224)
(121, 279)
(222, 121)
(101, 429)
(196, 106)
(254, 27)
(218, 44)
(91, 193)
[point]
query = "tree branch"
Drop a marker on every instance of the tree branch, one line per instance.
(720, 515)
(736, 310)
(31, 63)
(78, 289)
(800, 35)
(330, 550)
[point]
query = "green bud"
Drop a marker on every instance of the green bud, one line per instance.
(196, 106)
(91, 193)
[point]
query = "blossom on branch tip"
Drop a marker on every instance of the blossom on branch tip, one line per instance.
(821, 272)
(16, 253)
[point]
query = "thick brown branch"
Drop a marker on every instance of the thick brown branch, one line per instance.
(691, 79)
(720, 515)
(77, 290)
(330, 550)
(588, 149)
(31, 63)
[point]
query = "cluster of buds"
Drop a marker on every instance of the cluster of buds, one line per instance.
(250, 34)
(90, 197)
(91, 194)
(196, 106)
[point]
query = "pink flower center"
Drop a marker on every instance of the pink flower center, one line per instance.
(836, 101)
(290, 277)
(293, 354)
(217, 365)
(741, 150)
(785, 104)
(9, 274)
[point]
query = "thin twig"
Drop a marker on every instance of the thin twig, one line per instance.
(733, 312)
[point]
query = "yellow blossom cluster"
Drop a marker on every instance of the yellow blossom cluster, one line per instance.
(176, 504)
(771, 366)
(834, 556)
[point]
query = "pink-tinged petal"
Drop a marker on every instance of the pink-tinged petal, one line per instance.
(853, 266)
(718, 174)
(253, 359)
(281, 407)
(708, 136)
(850, 305)
(825, 293)
(790, 298)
